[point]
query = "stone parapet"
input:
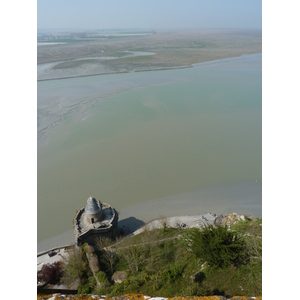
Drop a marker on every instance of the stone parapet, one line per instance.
(85, 231)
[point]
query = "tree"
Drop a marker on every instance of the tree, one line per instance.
(77, 267)
(134, 256)
(50, 273)
(102, 242)
(109, 258)
(216, 245)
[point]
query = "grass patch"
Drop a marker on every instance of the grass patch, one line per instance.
(159, 263)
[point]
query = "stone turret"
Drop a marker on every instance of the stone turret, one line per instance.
(94, 220)
(93, 210)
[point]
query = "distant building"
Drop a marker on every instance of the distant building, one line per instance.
(94, 220)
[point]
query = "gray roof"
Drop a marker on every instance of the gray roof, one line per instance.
(93, 206)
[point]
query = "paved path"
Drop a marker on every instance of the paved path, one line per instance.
(60, 254)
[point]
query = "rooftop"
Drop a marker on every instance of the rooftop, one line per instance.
(93, 206)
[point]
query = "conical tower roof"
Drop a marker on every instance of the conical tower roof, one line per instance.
(93, 206)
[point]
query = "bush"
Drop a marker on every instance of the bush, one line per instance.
(101, 276)
(171, 274)
(50, 273)
(84, 288)
(77, 267)
(216, 245)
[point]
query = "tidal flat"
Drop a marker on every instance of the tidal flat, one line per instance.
(139, 140)
(157, 51)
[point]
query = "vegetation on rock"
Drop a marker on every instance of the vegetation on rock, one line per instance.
(167, 262)
(135, 297)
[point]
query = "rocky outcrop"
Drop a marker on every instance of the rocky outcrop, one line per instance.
(93, 261)
(119, 276)
(230, 219)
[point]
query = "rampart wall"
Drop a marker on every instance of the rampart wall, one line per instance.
(90, 235)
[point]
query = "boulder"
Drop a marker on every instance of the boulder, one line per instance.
(119, 276)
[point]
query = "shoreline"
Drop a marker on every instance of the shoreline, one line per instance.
(184, 222)
(120, 72)
(243, 198)
(149, 69)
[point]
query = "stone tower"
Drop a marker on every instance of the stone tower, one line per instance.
(94, 220)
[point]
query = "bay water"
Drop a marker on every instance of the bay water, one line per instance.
(151, 144)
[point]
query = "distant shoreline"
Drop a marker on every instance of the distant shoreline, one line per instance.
(119, 72)
(149, 69)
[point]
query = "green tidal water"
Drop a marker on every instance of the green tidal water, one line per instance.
(169, 133)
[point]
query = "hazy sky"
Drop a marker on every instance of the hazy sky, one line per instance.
(146, 14)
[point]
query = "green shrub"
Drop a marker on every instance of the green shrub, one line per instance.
(84, 288)
(101, 276)
(171, 274)
(216, 245)
(159, 264)
(77, 267)
(118, 289)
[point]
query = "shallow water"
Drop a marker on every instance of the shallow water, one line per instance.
(131, 138)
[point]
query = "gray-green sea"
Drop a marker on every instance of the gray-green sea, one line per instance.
(139, 141)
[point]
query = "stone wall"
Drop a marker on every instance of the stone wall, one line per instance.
(90, 235)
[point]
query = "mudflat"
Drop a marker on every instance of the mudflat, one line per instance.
(157, 51)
